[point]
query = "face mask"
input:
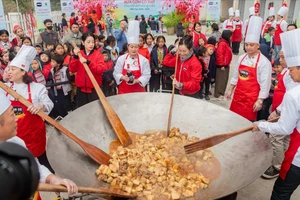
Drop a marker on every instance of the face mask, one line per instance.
(49, 27)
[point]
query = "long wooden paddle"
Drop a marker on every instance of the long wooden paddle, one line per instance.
(100, 190)
(216, 139)
(173, 94)
(92, 151)
(112, 116)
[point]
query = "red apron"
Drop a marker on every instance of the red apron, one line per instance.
(265, 28)
(279, 91)
(124, 87)
(237, 33)
(290, 153)
(229, 26)
(31, 128)
(247, 91)
(278, 30)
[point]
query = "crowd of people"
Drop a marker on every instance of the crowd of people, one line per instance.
(51, 73)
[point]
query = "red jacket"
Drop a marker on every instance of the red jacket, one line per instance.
(96, 65)
(144, 52)
(188, 72)
(46, 70)
(109, 65)
(223, 53)
(196, 37)
(67, 60)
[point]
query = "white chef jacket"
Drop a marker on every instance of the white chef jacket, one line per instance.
(289, 118)
(288, 83)
(229, 23)
(39, 94)
(144, 64)
(44, 172)
(273, 24)
(283, 25)
(264, 73)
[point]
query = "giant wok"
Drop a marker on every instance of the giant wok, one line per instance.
(238, 161)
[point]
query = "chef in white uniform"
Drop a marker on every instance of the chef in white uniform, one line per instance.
(251, 80)
(31, 127)
(228, 24)
(271, 22)
(8, 125)
(132, 70)
(289, 122)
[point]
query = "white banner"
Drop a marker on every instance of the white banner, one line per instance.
(67, 7)
(213, 11)
(43, 11)
(2, 17)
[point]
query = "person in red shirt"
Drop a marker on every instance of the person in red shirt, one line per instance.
(188, 73)
(196, 34)
(85, 90)
(72, 19)
(142, 50)
(223, 60)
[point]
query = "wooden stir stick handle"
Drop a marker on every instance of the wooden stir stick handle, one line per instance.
(101, 190)
(101, 157)
(113, 118)
(172, 97)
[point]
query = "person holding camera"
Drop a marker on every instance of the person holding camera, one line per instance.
(8, 131)
(132, 70)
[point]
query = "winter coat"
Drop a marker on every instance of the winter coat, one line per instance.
(188, 72)
(179, 29)
(143, 27)
(154, 57)
(95, 61)
(223, 53)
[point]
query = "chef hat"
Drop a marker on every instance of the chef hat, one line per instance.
(5, 103)
(237, 13)
(289, 41)
(231, 11)
(251, 11)
(24, 58)
(283, 11)
(272, 11)
(133, 32)
(254, 29)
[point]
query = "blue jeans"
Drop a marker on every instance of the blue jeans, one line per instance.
(109, 31)
(277, 49)
(283, 189)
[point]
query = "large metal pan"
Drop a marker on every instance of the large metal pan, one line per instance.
(240, 160)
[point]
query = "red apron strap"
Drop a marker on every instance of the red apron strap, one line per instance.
(29, 93)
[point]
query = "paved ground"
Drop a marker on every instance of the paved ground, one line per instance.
(261, 189)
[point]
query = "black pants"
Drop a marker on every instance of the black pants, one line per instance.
(62, 104)
(264, 112)
(236, 47)
(205, 82)
(83, 98)
(109, 90)
(43, 160)
(154, 82)
(283, 189)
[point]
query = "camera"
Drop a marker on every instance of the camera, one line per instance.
(18, 171)
(130, 76)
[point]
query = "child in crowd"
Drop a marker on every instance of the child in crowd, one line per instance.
(26, 41)
(13, 52)
(204, 59)
(211, 48)
(19, 33)
(110, 45)
(38, 49)
(158, 54)
(190, 28)
(68, 53)
(215, 31)
(269, 38)
(37, 72)
(97, 43)
(124, 49)
(108, 82)
(49, 46)
(45, 58)
(61, 87)
(4, 76)
(142, 50)
(59, 50)
(4, 40)
(4, 58)
(149, 42)
(101, 41)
